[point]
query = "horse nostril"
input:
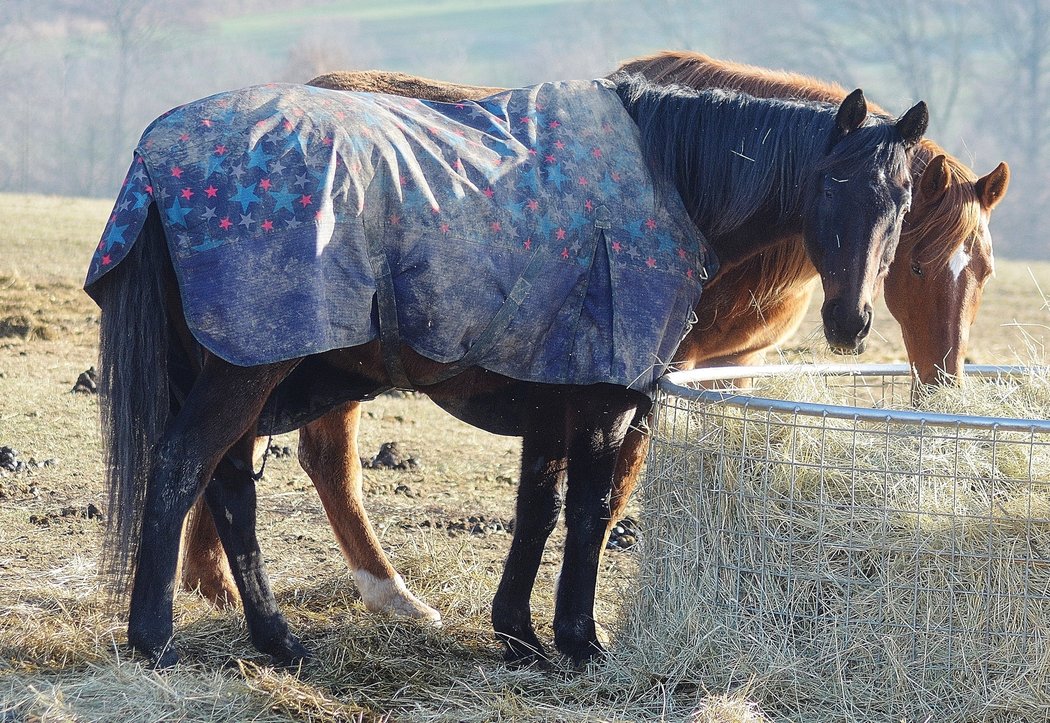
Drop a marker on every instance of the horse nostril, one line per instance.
(831, 314)
(868, 316)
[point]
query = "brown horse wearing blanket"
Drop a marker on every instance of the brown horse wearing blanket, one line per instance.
(180, 420)
(933, 288)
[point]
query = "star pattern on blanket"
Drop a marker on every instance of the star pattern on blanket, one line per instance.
(502, 172)
(292, 213)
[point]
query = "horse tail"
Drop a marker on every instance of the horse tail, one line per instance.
(133, 390)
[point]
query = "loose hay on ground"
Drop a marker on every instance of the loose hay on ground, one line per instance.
(847, 568)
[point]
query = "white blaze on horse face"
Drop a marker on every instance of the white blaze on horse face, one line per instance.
(958, 263)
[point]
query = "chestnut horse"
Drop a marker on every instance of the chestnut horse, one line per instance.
(933, 288)
(165, 452)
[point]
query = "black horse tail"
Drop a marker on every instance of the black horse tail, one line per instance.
(133, 390)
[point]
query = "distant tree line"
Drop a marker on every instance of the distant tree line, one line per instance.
(79, 81)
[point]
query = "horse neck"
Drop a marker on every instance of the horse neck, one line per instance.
(740, 164)
(762, 235)
(761, 280)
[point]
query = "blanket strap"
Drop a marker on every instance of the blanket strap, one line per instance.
(390, 335)
(499, 323)
(510, 307)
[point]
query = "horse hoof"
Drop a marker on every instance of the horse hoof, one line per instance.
(523, 651)
(159, 654)
(159, 658)
(289, 652)
(589, 652)
(392, 597)
(579, 648)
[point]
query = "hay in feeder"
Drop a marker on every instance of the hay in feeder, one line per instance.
(849, 569)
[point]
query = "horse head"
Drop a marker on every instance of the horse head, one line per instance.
(862, 190)
(934, 285)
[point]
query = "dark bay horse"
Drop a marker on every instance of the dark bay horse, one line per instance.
(933, 288)
(747, 170)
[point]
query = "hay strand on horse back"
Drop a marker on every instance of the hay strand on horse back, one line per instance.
(848, 567)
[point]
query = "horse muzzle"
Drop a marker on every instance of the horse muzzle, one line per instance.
(846, 328)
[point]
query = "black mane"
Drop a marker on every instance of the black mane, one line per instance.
(732, 155)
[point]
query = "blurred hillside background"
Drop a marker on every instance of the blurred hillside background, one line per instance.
(80, 80)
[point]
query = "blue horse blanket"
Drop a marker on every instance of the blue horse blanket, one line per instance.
(523, 233)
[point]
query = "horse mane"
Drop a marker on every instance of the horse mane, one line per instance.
(697, 70)
(956, 217)
(764, 150)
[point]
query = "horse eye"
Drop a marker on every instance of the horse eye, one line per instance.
(828, 193)
(916, 269)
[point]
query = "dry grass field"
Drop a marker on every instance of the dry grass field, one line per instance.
(62, 655)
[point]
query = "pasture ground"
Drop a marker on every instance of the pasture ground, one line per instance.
(61, 648)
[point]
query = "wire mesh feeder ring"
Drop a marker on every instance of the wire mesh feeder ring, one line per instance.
(845, 555)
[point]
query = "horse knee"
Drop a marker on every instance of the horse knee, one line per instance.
(538, 517)
(550, 515)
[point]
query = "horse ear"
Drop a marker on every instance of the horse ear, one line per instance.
(913, 124)
(934, 181)
(991, 188)
(852, 112)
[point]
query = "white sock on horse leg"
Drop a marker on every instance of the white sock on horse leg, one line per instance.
(392, 596)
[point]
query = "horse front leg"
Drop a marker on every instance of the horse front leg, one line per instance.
(222, 405)
(328, 452)
(600, 422)
(629, 465)
(543, 467)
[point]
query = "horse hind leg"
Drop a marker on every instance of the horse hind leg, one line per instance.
(203, 567)
(328, 452)
(203, 564)
(221, 407)
(231, 499)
